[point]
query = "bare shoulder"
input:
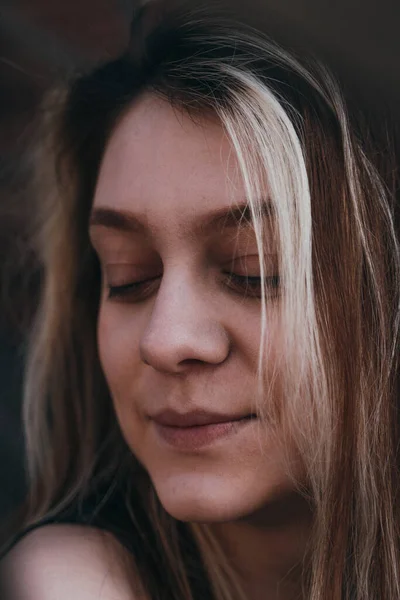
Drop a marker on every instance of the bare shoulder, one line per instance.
(68, 562)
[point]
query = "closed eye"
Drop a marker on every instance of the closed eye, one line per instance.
(243, 284)
(252, 285)
(131, 289)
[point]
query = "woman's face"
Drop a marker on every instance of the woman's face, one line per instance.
(178, 333)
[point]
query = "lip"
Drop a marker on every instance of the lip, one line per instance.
(192, 431)
(171, 418)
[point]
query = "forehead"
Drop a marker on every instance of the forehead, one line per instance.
(161, 164)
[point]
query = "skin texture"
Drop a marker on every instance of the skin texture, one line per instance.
(189, 339)
(60, 562)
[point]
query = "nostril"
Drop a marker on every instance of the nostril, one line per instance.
(191, 361)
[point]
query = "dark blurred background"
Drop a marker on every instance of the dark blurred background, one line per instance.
(41, 39)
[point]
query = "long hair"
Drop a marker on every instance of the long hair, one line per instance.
(331, 180)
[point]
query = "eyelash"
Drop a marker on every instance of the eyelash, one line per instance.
(242, 283)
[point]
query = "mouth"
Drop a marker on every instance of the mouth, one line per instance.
(192, 431)
(198, 418)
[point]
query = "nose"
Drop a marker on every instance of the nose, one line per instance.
(184, 328)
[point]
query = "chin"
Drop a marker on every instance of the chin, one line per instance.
(197, 510)
(206, 500)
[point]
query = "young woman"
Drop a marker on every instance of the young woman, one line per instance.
(211, 398)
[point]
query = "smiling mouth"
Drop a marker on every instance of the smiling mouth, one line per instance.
(193, 431)
(197, 418)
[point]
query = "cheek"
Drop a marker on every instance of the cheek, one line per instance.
(248, 340)
(274, 360)
(118, 350)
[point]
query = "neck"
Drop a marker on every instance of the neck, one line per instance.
(267, 549)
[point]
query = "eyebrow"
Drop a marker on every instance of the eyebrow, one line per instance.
(126, 221)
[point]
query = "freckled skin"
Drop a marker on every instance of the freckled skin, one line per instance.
(191, 341)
